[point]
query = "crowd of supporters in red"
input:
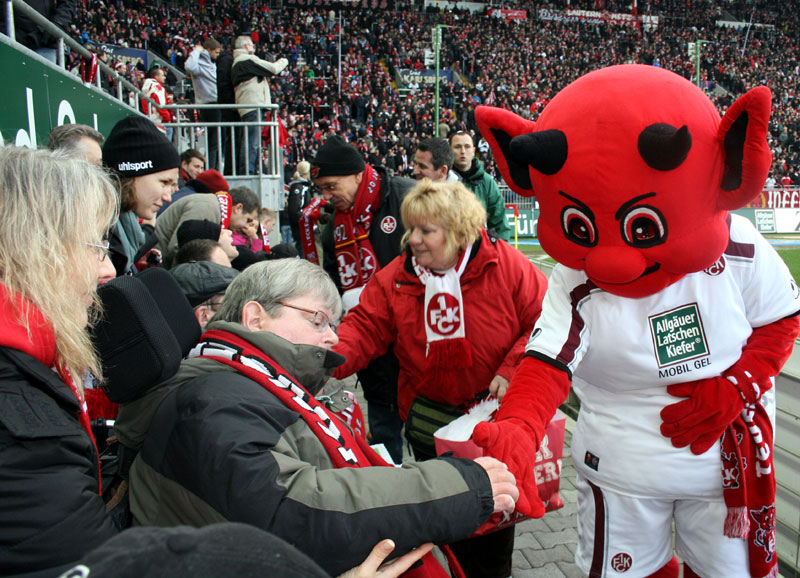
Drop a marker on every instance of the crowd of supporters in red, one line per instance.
(516, 64)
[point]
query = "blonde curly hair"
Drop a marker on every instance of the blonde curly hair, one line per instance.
(52, 206)
(446, 204)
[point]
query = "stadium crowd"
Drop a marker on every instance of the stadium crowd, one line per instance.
(238, 431)
(519, 64)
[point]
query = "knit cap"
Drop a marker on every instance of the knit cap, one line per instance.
(201, 280)
(336, 157)
(214, 180)
(224, 549)
(136, 148)
(192, 229)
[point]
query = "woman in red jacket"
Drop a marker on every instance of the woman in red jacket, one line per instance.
(458, 306)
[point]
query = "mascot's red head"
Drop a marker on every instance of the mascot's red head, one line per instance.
(634, 172)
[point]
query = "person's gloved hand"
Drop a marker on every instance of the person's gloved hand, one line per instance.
(150, 259)
(514, 444)
(700, 420)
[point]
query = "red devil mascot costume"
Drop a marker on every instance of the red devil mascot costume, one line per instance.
(668, 315)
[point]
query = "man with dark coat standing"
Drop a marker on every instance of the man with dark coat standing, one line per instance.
(365, 236)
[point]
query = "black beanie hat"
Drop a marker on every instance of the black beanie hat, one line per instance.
(136, 147)
(197, 229)
(336, 157)
(224, 549)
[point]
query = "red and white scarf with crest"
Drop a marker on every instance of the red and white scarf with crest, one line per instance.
(354, 254)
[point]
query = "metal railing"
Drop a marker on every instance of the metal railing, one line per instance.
(187, 133)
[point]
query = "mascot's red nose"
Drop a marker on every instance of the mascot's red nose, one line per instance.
(614, 265)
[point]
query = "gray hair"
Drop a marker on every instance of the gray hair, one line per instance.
(270, 282)
(242, 41)
(67, 137)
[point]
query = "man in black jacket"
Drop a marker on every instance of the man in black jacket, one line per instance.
(365, 236)
(226, 95)
(30, 34)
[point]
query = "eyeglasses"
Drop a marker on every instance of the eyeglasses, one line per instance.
(213, 305)
(101, 250)
(320, 321)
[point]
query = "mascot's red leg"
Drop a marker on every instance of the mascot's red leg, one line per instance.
(688, 572)
(670, 570)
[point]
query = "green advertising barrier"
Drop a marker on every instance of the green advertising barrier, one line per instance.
(526, 223)
(39, 97)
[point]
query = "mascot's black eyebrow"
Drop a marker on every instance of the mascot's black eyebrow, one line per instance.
(578, 202)
(624, 208)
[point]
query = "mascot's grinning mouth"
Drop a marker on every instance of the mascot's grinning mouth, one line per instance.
(648, 271)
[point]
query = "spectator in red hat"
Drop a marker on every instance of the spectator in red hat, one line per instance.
(210, 181)
(232, 210)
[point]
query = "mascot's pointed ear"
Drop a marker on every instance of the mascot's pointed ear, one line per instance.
(743, 134)
(499, 127)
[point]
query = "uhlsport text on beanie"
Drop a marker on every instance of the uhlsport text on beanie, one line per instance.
(136, 148)
(336, 157)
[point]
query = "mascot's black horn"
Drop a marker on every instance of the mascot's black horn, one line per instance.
(663, 147)
(545, 151)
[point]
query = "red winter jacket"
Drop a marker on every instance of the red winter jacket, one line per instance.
(502, 293)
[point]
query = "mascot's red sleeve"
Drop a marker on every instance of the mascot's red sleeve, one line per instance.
(535, 392)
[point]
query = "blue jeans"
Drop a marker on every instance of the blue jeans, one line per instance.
(386, 428)
(253, 140)
(286, 234)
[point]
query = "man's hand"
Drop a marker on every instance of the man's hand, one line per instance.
(504, 485)
(699, 421)
(515, 445)
(371, 567)
(498, 387)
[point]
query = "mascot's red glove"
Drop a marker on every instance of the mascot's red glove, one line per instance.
(699, 421)
(715, 402)
(535, 392)
(511, 441)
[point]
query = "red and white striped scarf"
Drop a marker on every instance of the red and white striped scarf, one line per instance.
(344, 449)
(354, 254)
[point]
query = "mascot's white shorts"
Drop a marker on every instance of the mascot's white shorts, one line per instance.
(631, 537)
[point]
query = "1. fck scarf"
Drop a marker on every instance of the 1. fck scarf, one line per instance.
(354, 254)
(748, 481)
(309, 218)
(446, 345)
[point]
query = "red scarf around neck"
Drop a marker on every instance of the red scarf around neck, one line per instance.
(354, 254)
(309, 218)
(225, 209)
(41, 345)
(344, 449)
(264, 238)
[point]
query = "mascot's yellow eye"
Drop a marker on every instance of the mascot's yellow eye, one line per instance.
(578, 226)
(643, 227)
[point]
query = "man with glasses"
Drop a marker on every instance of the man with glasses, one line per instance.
(239, 436)
(365, 236)
(204, 283)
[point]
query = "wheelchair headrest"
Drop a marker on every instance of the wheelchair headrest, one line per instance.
(147, 328)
